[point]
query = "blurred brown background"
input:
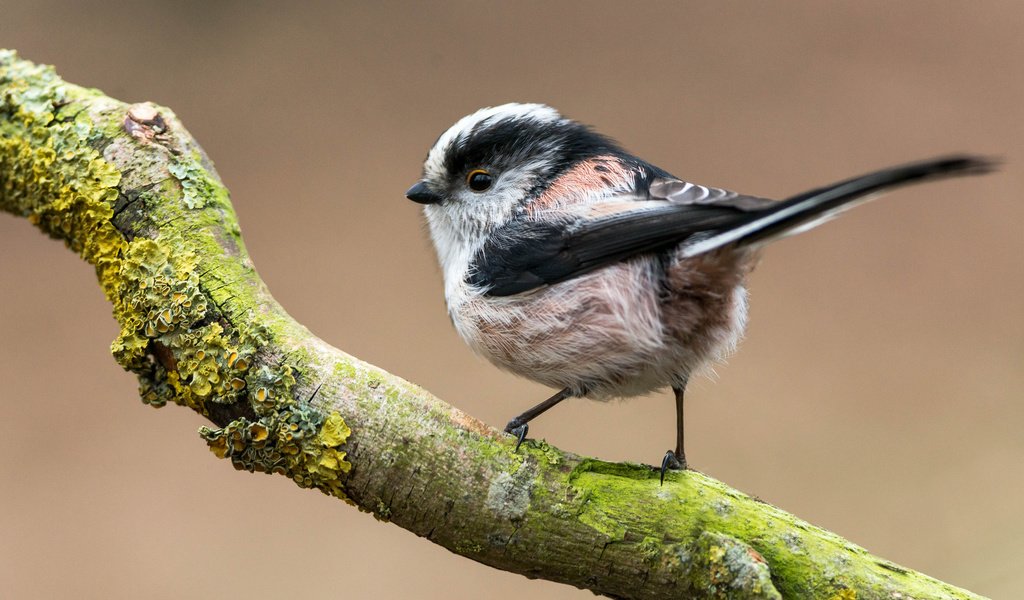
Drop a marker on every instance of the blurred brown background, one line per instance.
(878, 392)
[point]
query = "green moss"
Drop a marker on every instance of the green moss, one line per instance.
(650, 548)
(626, 502)
(615, 470)
(344, 370)
(546, 452)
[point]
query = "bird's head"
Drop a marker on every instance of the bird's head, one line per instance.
(490, 165)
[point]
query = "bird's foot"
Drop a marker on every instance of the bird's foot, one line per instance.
(518, 429)
(671, 461)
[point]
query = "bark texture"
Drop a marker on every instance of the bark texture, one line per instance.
(126, 187)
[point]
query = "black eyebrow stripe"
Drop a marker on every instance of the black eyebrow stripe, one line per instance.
(511, 140)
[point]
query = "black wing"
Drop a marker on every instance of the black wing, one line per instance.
(528, 254)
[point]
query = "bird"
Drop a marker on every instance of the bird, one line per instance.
(573, 263)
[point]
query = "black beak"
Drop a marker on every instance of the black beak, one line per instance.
(420, 193)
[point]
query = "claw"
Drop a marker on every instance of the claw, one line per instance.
(670, 461)
(519, 425)
(520, 432)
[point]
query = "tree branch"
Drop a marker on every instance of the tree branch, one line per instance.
(127, 188)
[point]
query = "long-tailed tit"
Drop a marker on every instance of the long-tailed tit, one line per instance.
(569, 261)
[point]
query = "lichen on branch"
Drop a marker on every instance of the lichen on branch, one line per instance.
(63, 150)
(128, 189)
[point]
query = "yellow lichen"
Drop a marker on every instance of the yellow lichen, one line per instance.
(174, 332)
(297, 441)
(157, 292)
(334, 431)
(272, 387)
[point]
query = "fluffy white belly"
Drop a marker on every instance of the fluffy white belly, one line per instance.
(624, 330)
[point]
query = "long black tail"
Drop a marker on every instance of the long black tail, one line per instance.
(816, 206)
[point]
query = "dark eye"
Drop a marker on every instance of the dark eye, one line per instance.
(479, 180)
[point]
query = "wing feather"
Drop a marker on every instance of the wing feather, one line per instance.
(527, 254)
(550, 247)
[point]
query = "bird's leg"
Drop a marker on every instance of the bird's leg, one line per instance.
(680, 427)
(520, 425)
(677, 459)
